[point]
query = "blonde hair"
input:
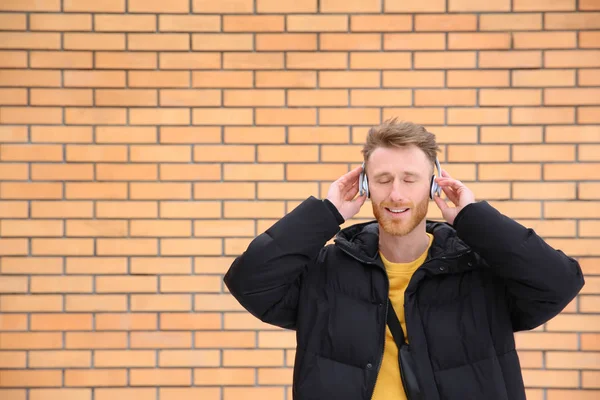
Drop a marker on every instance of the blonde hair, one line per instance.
(394, 133)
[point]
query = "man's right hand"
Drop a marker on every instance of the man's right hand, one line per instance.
(342, 192)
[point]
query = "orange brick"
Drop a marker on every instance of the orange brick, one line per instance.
(465, 41)
(61, 97)
(128, 322)
(96, 190)
(201, 97)
(12, 359)
(573, 96)
(508, 97)
(14, 284)
(446, 59)
(586, 5)
(223, 376)
(108, 172)
(63, 359)
(157, 265)
(145, 6)
(91, 228)
(61, 59)
(225, 228)
(222, 79)
(100, 116)
(158, 41)
(544, 40)
(124, 358)
(513, 171)
(575, 20)
(95, 378)
(14, 97)
(30, 40)
(13, 22)
(216, 302)
(60, 22)
(419, 115)
(275, 376)
(559, 359)
(510, 22)
(30, 5)
(173, 172)
(286, 153)
(95, 303)
(443, 22)
(190, 284)
(14, 59)
(31, 378)
(126, 60)
(254, 23)
(283, 79)
(186, 209)
(104, 265)
(124, 394)
(285, 116)
(224, 153)
(223, 190)
(235, 6)
(414, 41)
(413, 79)
(161, 302)
(414, 6)
(189, 358)
(31, 228)
(31, 115)
(237, 321)
(571, 171)
(273, 6)
(125, 23)
(589, 153)
(380, 23)
(55, 172)
(254, 61)
(94, 41)
(117, 247)
(95, 153)
(571, 58)
(255, 358)
(190, 393)
(317, 97)
(543, 190)
(318, 135)
(195, 135)
(349, 79)
(589, 39)
(200, 247)
(14, 172)
(30, 152)
(30, 78)
(563, 379)
(363, 60)
(543, 78)
(160, 377)
(61, 209)
(185, 321)
(158, 79)
(357, 116)
(588, 115)
(176, 60)
(106, 6)
(542, 115)
(30, 303)
(189, 23)
(286, 41)
(223, 116)
(160, 116)
(573, 209)
(13, 134)
(317, 23)
(589, 191)
(467, 116)
(445, 97)
(148, 340)
(74, 247)
(474, 5)
(61, 134)
(350, 41)
(253, 209)
(310, 60)
(314, 172)
(478, 153)
(13, 322)
(126, 97)
(125, 284)
(510, 59)
(30, 190)
(540, 5)
(221, 41)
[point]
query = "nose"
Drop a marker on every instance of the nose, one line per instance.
(396, 194)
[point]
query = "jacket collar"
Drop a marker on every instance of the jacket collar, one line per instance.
(361, 241)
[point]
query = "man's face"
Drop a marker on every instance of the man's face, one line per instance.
(399, 179)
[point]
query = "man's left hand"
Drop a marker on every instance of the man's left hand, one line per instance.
(456, 192)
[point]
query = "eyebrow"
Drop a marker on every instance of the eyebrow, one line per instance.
(408, 173)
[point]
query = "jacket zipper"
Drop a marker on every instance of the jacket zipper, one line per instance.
(457, 255)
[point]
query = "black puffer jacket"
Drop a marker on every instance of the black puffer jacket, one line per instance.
(484, 278)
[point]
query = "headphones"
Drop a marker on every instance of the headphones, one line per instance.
(363, 184)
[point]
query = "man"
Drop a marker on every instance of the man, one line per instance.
(459, 288)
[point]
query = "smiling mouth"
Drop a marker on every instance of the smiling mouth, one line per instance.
(397, 210)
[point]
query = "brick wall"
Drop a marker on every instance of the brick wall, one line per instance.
(144, 143)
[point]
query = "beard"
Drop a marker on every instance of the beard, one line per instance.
(402, 226)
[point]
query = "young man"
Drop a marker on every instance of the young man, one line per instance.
(459, 288)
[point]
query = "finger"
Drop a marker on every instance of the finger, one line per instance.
(445, 173)
(440, 203)
(451, 194)
(453, 183)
